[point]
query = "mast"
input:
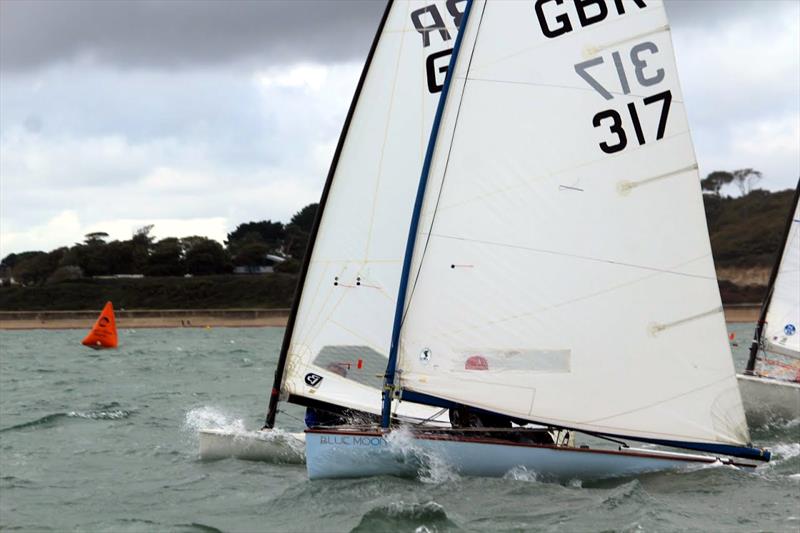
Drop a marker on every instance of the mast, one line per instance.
(388, 388)
(756, 343)
(274, 397)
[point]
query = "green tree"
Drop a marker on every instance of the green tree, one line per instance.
(745, 179)
(204, 256)
(715, 181)
(298, 231)
(142, 243)
(270, 233)
(166, 259)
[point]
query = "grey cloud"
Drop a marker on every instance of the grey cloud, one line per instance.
(169, 34)
(183, 34)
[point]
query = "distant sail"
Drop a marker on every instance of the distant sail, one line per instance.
(782, 330)
(562, 271)
(104, 331)
(339, 343)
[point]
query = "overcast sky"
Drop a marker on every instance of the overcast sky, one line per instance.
(197, 116)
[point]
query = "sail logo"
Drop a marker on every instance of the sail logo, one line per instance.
(789, 329)
(312, 380)
(429, 21)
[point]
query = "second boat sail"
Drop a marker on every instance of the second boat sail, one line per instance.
(771, 383)
(558, 267)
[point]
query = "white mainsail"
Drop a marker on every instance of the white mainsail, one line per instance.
(339, 343)
(782, 330)
(562, 271)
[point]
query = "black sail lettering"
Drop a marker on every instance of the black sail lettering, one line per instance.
(437, 24)
(454, 12)
(588, 20)
(563, 19)
(430, 68)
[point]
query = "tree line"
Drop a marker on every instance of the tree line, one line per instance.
(248, 245)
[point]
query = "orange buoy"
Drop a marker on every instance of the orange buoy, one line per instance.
(104, 331)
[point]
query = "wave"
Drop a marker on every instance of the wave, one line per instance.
(208, 417)
(431, 467)
(102, 413)
(421, 517)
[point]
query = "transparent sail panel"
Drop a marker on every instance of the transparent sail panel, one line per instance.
(339, 346)
(562, 272)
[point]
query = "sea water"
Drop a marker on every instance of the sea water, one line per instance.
(107, 441)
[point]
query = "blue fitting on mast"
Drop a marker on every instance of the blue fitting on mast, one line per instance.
(388, 387)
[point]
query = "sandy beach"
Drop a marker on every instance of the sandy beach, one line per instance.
(202, 318)
(147, 318)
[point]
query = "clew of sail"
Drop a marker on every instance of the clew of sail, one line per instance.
(336, 346)
(562, 271)
(782, 330)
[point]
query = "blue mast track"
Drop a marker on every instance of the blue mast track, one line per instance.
(388, 385)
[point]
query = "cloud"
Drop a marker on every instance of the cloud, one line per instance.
(66, 228)
(166, 35)
(236, 148)
(117, 114)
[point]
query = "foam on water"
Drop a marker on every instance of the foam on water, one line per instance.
(431, 467)
(208, 417)
(521, 473)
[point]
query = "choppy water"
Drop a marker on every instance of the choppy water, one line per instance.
(106, 441)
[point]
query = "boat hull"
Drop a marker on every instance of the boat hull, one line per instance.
(272, 446)
(346, 454)
(769, 400)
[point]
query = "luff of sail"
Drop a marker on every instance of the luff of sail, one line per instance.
(337, 349)
(562, 272)
(781, 332)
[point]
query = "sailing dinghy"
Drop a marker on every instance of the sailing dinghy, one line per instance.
(557, 267)
(771, 383)
(336, 344)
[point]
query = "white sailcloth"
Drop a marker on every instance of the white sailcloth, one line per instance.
(339, 345)
(782, 330)
(562, 272)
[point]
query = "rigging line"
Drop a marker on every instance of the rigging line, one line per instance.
(573, 256)
(434, 415)
(447, 163)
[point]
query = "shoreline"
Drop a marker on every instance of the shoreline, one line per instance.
(213, 318)
(146, 318)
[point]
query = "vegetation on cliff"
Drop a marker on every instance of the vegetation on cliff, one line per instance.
(745, 231)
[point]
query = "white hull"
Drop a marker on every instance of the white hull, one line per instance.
(766, 400)
(272, 446)
(346, 454)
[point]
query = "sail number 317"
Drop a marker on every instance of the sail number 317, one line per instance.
(646, 76)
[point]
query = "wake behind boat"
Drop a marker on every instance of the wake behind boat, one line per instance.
(771, 384)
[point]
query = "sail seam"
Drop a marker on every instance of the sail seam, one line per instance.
(574, 256)
(658, 328)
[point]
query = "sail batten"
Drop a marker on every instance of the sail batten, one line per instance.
(641, 352)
